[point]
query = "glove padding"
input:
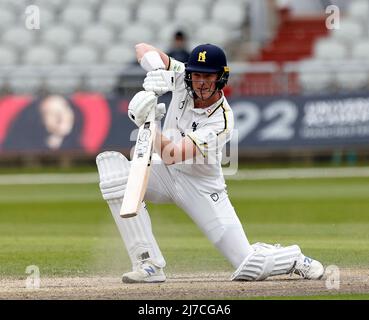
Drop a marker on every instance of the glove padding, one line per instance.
(159, 81)
(141, 105)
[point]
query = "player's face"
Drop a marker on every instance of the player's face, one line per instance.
(204, 84)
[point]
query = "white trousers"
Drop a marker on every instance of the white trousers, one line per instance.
(206, 201)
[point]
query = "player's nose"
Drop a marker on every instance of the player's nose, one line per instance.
(202, 80)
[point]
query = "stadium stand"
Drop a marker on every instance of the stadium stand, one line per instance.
(58, 36)
(89, 33)
(76, 16)
(347, 46)
(294, 39)
(319, 60)
(166, 32)
(350, 78)
(152, 14)
(40, 55)
(7, 56)
(330, 49)
(231, 14)
(359, 10)
(17, 6)
(314, 76)
(190, 13)
(7, 17)
(81, 54)
(18, 38)
(360, 50)
(54, 5)
(63, 80)
(135, 31)
(101, 78)
(350, 31)
(114, 15)
(25, 80)
(118, 55)
(102, 33)
(98, 36)
(211, 32)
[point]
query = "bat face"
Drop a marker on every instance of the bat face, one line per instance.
(143, 141)
(139, 171)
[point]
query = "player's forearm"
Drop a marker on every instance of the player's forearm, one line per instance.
(142, 48)
(171, 152)
(165, 148)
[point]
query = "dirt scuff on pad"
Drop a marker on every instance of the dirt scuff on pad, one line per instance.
(182, 286)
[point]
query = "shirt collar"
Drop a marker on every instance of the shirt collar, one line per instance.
(209, 110)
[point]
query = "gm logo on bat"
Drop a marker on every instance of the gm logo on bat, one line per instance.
(143, 143)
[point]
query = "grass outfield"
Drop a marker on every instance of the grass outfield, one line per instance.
(67, 230)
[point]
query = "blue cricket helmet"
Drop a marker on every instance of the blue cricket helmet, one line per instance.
(208, 58)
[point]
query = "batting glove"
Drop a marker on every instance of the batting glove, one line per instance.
(141, 105)
(159, 81)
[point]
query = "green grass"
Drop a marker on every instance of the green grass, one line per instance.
(68, 230)
(90, 166)
(44, 168)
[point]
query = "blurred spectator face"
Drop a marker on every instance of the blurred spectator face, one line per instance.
(179, 40)
(58, 118)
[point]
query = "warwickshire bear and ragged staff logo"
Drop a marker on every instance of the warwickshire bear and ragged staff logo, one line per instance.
(202, 56)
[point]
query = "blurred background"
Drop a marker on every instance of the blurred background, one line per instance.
(299, 83)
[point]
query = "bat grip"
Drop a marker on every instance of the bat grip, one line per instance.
(151, 116)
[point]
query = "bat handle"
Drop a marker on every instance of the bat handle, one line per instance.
(151, 116)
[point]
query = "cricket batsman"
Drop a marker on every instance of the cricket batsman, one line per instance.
(198, 123)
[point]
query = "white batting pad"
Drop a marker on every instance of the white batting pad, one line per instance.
(137, 235)
(257, 266)
(267, 260)
(113, 170)
(285, 259)
(136, 232)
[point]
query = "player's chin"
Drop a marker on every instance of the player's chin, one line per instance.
(203, 95)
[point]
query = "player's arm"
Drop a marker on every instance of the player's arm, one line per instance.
(206, 142)
(142, 48)
(149, 62)
(171, 152)
(138, 110)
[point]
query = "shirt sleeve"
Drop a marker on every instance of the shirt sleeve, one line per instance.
(176, 66)
(212, 136)
(179, 69)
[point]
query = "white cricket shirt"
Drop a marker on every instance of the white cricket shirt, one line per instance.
(209, 128)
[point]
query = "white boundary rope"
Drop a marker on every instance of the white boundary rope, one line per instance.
(243, 174)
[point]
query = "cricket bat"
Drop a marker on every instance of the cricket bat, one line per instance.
(140, 168)
(141, 162)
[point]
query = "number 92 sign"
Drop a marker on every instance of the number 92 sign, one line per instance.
(272, 123)
(315, 121)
